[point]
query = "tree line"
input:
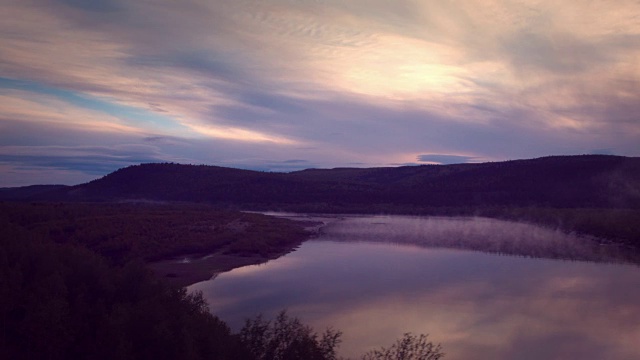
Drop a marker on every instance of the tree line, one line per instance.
(63, 300)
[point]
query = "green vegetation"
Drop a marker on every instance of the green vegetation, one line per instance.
(60, 300)
(74, 285)
(592, 194)
(589, 181)
(151, 232)
(286, 338)
(410, 347)
(66, 302)
(148, 232)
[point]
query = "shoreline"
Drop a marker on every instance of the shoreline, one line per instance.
(201, 268)
(189, 269)
(184, 273)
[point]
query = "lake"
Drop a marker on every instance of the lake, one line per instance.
(483, 288)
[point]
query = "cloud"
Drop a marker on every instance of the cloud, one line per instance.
(14, 176)
(94, 160)
(602, 152)
(446, 159)
(372, 82)
(98, 6)
(281, 166)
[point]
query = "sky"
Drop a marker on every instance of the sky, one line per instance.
(87, 87)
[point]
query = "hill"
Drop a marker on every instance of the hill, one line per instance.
(27, 192)
(586, 181)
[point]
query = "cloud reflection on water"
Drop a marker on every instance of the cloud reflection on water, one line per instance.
(480, 306)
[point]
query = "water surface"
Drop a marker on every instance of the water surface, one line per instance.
(375, 278)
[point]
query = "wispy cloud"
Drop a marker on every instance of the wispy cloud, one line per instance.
(445, 159)
(94, 160)
(373, 82)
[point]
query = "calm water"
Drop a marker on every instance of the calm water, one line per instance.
(376, 278)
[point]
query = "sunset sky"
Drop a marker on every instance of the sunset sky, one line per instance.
(87, 87)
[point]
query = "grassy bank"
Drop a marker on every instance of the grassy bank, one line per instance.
(154, 233)
(157, 233)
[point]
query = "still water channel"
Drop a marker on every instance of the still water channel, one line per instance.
(483, 288)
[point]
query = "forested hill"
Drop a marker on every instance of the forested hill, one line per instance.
(559, 181)
(27, 192)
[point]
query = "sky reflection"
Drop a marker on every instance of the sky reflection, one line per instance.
(478, 305)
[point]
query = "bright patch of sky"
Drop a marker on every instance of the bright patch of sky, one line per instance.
(257, 84)
(138, 116)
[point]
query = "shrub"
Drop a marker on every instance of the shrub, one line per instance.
(409, 347)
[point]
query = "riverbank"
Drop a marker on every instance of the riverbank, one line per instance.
(158, 234)
(186, 271)
(215, 240)
(610, 232)
(189, 269)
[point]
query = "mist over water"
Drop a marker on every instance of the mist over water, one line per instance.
(476, 233)
(376, 277)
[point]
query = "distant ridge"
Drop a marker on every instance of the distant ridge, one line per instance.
(599, 181)
(28, 192)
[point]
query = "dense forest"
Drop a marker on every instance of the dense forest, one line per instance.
(150, 232)
(75, 286)
(597, 195)
(66, 302)
(129, 231)
(589, 181)
(73, 259)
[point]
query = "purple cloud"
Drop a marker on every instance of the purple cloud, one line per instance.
(368, 82)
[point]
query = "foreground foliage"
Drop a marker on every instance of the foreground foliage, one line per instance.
(64, 302)
(410, 347)
(60, 300)
(286, 338)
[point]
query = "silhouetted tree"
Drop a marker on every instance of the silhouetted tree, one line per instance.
(286, 338)
(410, 347)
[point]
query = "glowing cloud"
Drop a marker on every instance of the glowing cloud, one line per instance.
(240, 134)
(366, 82)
